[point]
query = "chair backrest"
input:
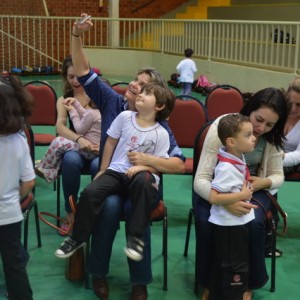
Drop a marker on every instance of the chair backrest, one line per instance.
(198, 145)
(187, 97)
(44, 112)
(30, 140)
(120, 87)
(185, 121)
(222, 100)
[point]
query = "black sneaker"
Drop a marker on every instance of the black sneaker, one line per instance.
(135, 248)
(68, 247)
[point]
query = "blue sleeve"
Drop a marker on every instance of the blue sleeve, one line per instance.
(107, 100)
(174, 150)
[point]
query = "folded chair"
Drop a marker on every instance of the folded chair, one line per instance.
(223, 99)
(29, 202)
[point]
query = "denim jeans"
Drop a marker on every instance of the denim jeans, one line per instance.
(72, 166)
(186, 88)
(104, 232)
(257, 235)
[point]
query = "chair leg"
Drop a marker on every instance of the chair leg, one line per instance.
(37, 225)
(188, 232)
(58, 200)
(273, 263)
(87, 253)
(196, 284)
(165, 249)
(26, 222)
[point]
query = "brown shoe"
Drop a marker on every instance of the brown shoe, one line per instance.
(139, 292)
(100, 287)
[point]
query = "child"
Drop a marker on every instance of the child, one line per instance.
(87, 122)
(230, 184)
(186, 68)
(130, 131)
(17, 179)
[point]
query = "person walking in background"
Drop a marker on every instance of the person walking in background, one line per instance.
(186, 68)
(17, 180)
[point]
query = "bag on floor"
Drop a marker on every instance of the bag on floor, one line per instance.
(75, 266)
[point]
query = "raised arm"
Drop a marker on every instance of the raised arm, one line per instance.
(79, 58)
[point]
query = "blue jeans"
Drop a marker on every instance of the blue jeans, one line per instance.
(104, 232)
(186, 88)
(73, 165)
(257, 234)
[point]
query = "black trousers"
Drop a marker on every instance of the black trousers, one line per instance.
(142, 191)
(17, 282)
(230, 272)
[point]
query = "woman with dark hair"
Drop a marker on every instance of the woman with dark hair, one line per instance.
(73, 161)
(267, 110)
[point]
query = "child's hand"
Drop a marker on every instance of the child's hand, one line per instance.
(247, 191)
(134, 170)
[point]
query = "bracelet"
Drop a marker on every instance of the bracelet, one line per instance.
(75, 35)
(78, 138)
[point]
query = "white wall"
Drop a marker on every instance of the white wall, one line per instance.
(127, 62)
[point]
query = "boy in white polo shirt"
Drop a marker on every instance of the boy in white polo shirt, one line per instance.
(231, 184)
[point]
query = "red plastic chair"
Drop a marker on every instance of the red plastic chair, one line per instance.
(44, 112)
(120, 87)
(223, 99)
(185, 121)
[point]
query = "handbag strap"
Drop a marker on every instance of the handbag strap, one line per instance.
(43, 216)
(269, 216)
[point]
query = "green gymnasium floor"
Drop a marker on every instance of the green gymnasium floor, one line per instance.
(46, 272)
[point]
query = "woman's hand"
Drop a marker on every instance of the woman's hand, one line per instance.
(68, 103)
(138, 158)
(259, 183)
(239, 208)
(95, 149)
(85, 145)
(79, 29)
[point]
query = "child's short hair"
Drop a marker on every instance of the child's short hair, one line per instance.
(164, 96)
(230, 126)
(188, 52)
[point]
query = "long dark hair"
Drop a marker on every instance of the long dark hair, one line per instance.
(274, 99)
(15, 105)
(67, 89)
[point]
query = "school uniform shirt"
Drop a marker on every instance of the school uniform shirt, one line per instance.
(153, 140)
(229, 178)
(16, 166)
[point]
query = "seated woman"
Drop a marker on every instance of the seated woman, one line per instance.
(267, 110)
(73, 161)
(291, 159)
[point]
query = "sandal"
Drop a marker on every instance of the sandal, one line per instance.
(278, 253)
